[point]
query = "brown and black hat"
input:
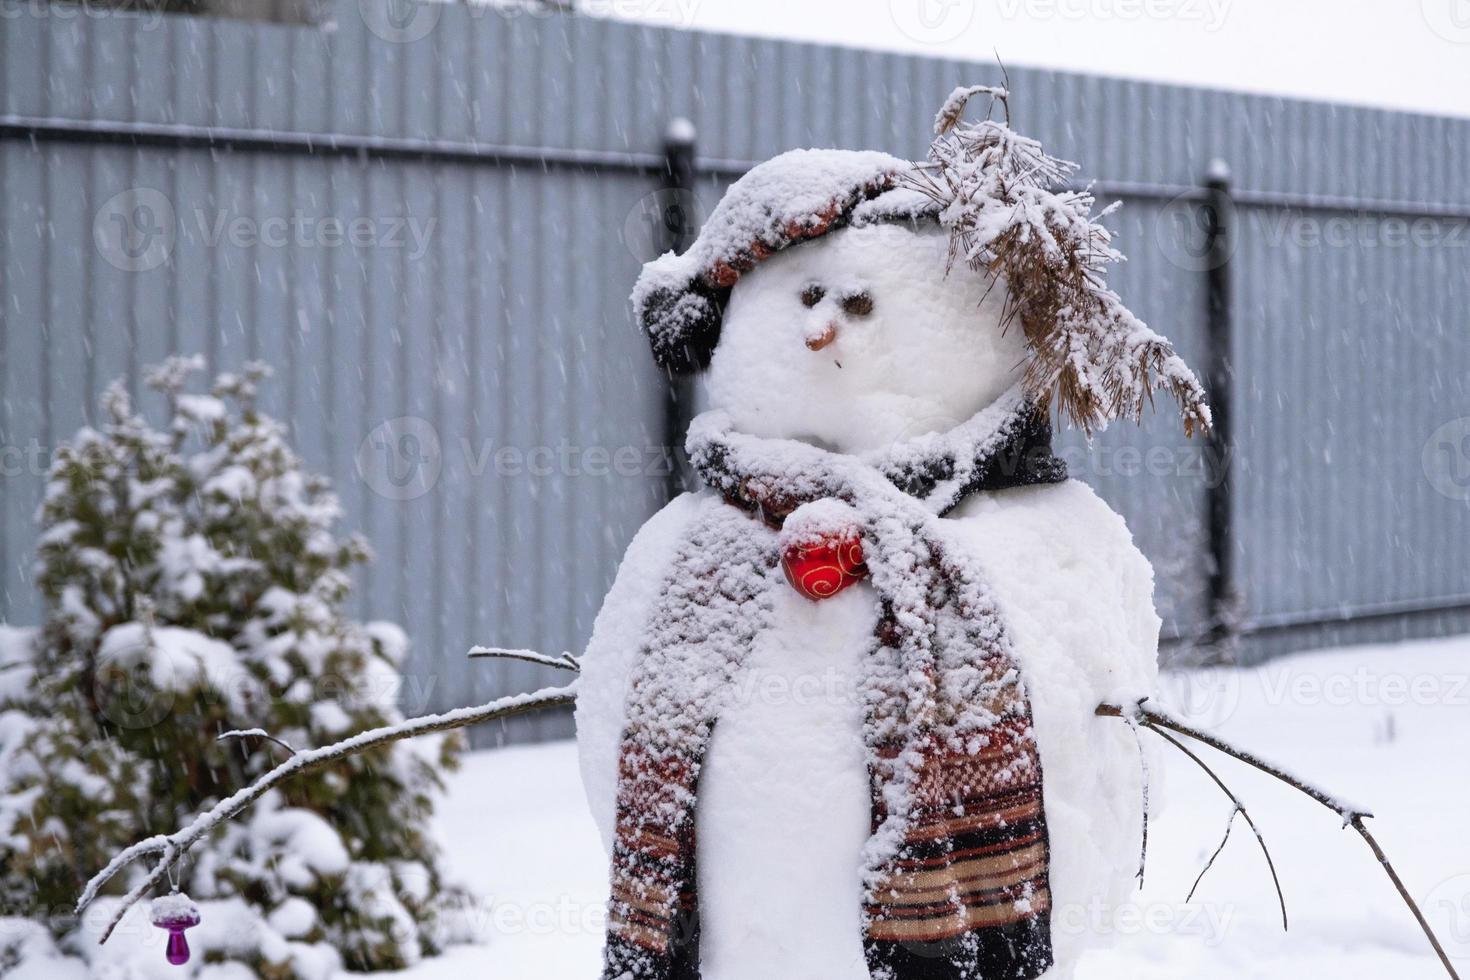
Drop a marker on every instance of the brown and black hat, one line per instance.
(793, 198)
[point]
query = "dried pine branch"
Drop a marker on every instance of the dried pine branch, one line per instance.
(1086, 352)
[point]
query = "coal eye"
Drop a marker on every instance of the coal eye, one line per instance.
(858, 304)
(812, 295)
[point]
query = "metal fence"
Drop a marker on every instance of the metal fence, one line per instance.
(429, 217)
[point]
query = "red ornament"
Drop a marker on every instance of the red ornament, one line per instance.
(822, 567)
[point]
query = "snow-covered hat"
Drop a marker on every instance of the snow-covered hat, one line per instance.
(792, 198)
(1009, 211)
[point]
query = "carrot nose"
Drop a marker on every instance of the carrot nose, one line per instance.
(823, 337)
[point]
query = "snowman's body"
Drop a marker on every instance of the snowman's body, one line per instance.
(783, 806)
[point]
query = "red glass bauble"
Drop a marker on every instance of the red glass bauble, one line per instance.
(820, 569)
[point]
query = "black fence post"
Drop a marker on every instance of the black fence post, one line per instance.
(1219, 209)
(679, 213)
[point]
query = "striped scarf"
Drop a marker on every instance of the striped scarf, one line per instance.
(956, 871)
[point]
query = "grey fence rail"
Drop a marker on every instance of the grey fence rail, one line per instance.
(428, 217)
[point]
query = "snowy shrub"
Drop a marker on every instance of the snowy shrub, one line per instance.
(195, 586)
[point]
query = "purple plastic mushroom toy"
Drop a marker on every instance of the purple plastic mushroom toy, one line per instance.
(175, 912)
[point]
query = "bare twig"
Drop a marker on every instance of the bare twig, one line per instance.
(255, 733)
(170, 848)
(1229, 826)
(1357, 824)
(564, 662)
(1239, 806)
(1353, 817)
(1143, 769)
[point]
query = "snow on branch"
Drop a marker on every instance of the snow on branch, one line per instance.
(169, 848)
(255, 733)
(563, 662)
(1163, 723)
(1004, 200)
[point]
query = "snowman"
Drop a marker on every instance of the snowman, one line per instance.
(836, 719)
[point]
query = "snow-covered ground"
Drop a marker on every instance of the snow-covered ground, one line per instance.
(1385, 727)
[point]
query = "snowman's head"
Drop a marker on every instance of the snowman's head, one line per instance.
(821, 297)
(862, 337)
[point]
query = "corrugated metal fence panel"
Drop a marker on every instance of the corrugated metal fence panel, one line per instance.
(1354, 356)
(504, 326)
